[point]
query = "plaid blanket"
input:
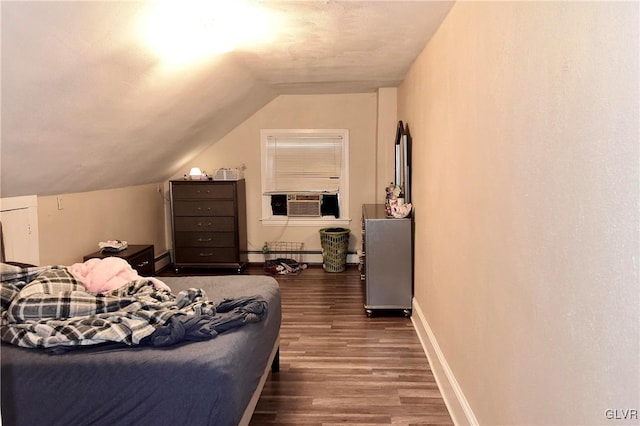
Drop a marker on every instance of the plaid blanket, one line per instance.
(48, 307)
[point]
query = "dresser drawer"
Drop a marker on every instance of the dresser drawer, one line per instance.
(206, 255)
(204, 190)
(203, 208)
(205, 224)
(205, 239)
(209, 223)
(143, 263)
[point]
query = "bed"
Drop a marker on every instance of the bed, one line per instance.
(211, 382)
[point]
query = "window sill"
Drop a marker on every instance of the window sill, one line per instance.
(305, 221)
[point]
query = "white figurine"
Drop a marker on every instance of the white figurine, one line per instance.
(401, 210)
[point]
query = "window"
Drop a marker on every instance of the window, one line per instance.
(303, 167)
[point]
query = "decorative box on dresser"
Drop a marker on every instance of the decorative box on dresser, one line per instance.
(209, 223)
(387, 260)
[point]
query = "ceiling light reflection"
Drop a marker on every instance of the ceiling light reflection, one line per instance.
(181, 32)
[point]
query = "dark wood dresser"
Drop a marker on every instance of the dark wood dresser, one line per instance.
(140, 257)
(209, 223)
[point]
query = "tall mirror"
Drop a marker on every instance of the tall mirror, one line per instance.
(403, 160)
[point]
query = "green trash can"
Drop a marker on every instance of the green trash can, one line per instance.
(335, 245)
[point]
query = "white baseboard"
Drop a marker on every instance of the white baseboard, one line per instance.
(457, 404)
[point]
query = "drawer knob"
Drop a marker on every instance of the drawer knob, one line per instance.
(206, 254)
(203, 240)
(145, 263)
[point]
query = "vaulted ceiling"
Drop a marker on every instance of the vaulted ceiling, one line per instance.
(87, 104)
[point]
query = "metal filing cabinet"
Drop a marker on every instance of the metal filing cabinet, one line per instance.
(387, 260)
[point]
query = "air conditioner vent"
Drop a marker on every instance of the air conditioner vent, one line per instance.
(303, 205)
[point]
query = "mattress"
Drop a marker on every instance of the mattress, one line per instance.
(196, 383)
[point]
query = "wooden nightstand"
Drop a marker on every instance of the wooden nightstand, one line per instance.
(140, 257)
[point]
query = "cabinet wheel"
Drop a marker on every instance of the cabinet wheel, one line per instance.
(407, 313)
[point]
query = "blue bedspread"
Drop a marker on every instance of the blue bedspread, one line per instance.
(199, 383)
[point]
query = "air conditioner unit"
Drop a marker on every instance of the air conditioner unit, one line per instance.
(303, 205)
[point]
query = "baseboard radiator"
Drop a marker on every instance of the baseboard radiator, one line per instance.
(312, 257)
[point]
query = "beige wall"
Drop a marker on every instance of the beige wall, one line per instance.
(387, 126)
(356, 112)
(524, 117)
(134, 214)
(141, 215)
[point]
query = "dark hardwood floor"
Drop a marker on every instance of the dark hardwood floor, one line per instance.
(339, 367)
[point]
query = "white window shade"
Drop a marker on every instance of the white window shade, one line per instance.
(302, 163)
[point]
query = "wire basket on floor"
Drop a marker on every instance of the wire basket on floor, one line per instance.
(283, 257)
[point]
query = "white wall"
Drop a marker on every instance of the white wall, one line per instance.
(524, 117)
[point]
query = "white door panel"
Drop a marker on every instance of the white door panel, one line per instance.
(20, 229)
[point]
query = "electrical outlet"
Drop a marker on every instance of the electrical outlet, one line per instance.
(59, 200)
(159, 188)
